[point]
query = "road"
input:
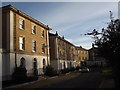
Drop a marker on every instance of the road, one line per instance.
(92, 79)
(84, 80)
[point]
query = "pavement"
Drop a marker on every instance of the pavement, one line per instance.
(41, 79)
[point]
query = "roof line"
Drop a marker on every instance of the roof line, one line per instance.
(10, 7)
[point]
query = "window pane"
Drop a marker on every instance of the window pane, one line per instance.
(21, 24)
(33, 29)
(21, 39)
(33, 46)
(42, 33)
(20, 27)
(21, 21)
(21, 43)
(20, 47)
(43, 48)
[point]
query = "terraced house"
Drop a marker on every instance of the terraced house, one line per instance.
(64, 54)
(82, 54)
(25, 41)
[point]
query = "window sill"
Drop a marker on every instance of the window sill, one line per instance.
(43, 52)
(33, 33)
(21, 50)
(42, 37)
(33, 51)
(21, 28)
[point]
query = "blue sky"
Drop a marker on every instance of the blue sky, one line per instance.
(70, 19)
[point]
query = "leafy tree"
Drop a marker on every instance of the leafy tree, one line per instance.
(109, 47)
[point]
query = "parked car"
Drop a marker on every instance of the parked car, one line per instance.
(84, 69)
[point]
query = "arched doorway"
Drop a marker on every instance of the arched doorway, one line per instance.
(35, 70)
(44, 65)
(22, 63)
(71, 65)
(64, 65)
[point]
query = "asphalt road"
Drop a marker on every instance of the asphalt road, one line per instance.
(92, 79)
(84, 80)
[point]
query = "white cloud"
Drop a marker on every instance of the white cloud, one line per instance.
(72, 18)
(80, 39)
(77, 12)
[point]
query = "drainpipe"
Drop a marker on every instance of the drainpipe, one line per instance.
(15, 40)
(47, 48)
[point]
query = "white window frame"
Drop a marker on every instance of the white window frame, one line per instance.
(21, 24)
(33, 29)
(33, 46)
(21, 43)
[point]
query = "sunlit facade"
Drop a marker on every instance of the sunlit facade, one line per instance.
(23, 39)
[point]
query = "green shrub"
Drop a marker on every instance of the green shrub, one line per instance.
(50, 71)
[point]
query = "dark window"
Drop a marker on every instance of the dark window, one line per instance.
(43, 48)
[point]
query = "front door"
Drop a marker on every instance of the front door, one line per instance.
(35, 71)
(44, 65)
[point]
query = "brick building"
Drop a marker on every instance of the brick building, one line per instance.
(64, 54)
(82, 53)
(24, 41)
(61, 52)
